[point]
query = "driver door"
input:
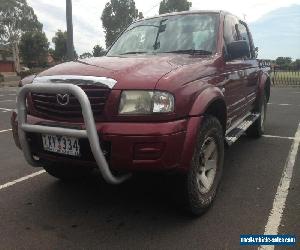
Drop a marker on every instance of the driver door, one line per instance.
(234, 76)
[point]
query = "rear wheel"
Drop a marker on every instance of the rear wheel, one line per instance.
(67, 172)
(257, 129)
(205, 173)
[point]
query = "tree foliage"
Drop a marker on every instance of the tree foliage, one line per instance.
(5, 52)
(16, 17)
(60, 46)
(167, 6)
(286, 63)
(116, 16)
(296, 64)
(85, 55)
(140, 15)
(283, 62)
(34, 48)
(98, 51)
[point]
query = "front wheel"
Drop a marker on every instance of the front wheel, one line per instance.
(205, 173)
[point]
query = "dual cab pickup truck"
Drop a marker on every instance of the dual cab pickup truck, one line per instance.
(168, 96)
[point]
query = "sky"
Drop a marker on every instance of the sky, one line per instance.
(88, 30)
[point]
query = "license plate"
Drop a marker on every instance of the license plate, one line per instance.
(61, 144)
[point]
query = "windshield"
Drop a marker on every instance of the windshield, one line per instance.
(170, 34)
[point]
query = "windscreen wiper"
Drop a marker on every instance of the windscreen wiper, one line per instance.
(191, 52)
(134, 52)
(162, 28)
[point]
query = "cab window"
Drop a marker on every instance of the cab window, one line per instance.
(243, 35)
(230, 29)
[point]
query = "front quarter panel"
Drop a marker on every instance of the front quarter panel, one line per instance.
(191, 99)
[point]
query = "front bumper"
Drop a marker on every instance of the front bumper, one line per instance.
(130, 146)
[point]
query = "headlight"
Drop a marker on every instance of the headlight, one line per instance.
(146, 102)
(26, 103)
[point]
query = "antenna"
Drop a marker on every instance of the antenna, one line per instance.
(154, 6)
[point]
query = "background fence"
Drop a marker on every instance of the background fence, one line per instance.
(285, 77)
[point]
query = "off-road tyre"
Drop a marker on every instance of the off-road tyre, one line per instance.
(196, 200)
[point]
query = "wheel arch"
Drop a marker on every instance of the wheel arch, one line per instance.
(264, 85)
(217, 108)
(211, 102)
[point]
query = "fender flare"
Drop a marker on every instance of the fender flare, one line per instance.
(204, 99)
(264, 84)
(200, 106)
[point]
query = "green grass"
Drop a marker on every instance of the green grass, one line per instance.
(286, 77)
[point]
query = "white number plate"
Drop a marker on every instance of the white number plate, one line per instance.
(61, 144)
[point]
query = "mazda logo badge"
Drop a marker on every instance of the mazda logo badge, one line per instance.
(63, 99)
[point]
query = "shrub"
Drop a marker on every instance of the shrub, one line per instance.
(23, 74)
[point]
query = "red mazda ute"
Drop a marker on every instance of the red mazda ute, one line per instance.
(170, 93)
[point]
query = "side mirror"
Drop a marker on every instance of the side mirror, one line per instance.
(238, 49)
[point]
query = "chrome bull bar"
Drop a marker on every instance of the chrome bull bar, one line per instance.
(90, 132)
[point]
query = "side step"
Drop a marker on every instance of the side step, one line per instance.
(240, 129)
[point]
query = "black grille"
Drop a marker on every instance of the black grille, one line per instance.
(47, 104)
